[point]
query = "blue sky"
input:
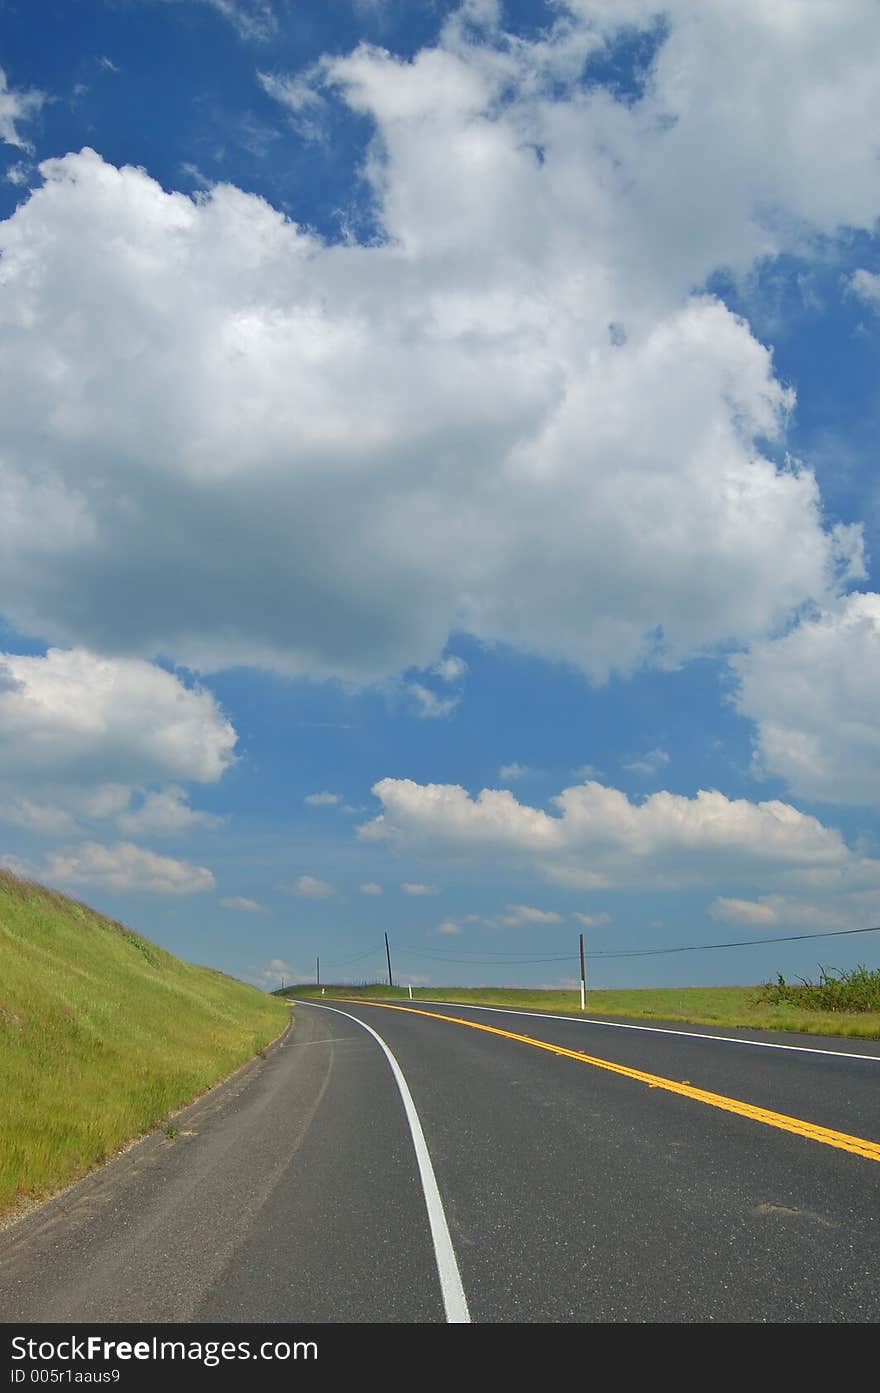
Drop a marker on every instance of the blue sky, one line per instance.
(438, 482)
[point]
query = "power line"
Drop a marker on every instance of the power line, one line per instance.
(496, 962)
(441, 955)
(358, 957)
(735, 943)
(521, 960)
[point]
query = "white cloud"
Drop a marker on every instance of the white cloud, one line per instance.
(337, 407)
(313, 889)
(277, 974)
(598, 838)
(38, 817)
(107, 64)
(321, 800)
(414, 888)
(507, 772)
(165, 813)
(194, 173)
(430, 705)
(448, 926)
(587, 771)
(17, 105)
(125, 867)
(102, 800)
(18, 174)
(371, 888)
(301, 97)
(25, 870)
(525, 914)
(241, 903)
(422, 813)
(254, 19)
(733, 911)
(450, 669)
(774, 911)
(72, 714)
(295, 92)
(867, 287)
(813, 695)
(649, 763)
(591, 921)
(82, 736)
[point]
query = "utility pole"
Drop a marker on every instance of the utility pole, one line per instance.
(583, 978)
(317, 972)
(388, 956)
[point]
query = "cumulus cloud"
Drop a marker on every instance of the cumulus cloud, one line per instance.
(165, 813)
(16, 106)
(734, 911)
(334, 408)
(253, 20)
(18, 173)
(311, 888)
(597, 838)
(813, 695)
(429, 704)
(526, 914)
(74, 714)
(126, 867)
(649, 763)
(37, 817)
(587, 771)
(295, 92)
(866, 286)
(82, 736)
(242, 903)
(321, 800)
(512, 771)
(25, 870)
(277, 974)
(591, 921)
(101, 800)
(448, 926)
(302, 99)
(774, 911)
(450, 669)
(414, 888)
(371, 888)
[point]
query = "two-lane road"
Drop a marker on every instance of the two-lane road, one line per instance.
(490, 1165)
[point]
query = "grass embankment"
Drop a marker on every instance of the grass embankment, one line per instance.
(102, 1035)
(722, 1006)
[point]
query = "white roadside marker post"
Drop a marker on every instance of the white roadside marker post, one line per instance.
(583, 978)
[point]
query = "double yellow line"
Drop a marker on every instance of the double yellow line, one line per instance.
(811, 1130)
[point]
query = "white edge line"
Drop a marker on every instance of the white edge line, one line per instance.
(454, 1299)
(653, 1029)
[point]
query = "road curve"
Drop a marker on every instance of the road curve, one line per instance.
(575, 1193)
(602, 1179)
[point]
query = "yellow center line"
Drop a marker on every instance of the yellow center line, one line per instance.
(858, 1145)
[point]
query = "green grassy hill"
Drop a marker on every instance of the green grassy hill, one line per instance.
(102, 1035)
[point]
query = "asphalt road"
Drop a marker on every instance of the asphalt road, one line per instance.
(568, 1189)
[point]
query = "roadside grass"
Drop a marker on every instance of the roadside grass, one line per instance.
(722, 1006)
(102, 1036)
(856, 990)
